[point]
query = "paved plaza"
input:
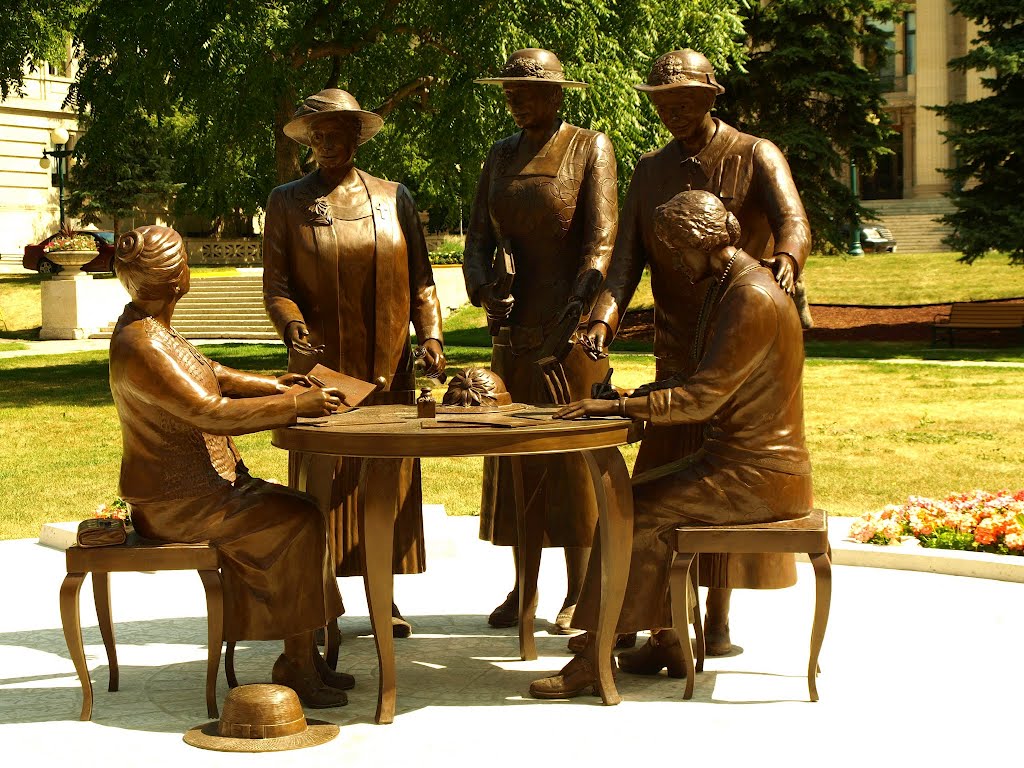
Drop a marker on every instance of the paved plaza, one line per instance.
(916, 667)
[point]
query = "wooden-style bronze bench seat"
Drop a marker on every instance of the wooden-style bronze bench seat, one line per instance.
(978, 316)
(807, 534)
(137, 555)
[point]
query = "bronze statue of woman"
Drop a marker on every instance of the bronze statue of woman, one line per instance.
(345, 271)
(547, 196)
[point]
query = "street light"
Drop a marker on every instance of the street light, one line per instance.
(59, 138)
(855, 248)
(458, 169)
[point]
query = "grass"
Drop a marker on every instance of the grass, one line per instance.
(877, 433)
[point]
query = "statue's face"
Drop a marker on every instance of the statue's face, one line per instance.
(683, 110)
(334, 140)
(533, 105)
(694, 263)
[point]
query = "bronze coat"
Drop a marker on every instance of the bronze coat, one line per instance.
(753, 180)
(356, 283)
(185, 482)
(557, 214)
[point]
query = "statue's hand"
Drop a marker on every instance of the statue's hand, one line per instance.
(285, 381)
(784, 269)
(588, 407)
(496, 307)
(433, 358)
(318, 402)
(296, 336)
(595, 342)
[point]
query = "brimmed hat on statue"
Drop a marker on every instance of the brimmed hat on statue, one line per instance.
(681, 69)
(261, 718)
(532, 65)
(327, 102)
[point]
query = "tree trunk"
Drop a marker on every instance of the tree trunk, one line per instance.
(286, 151)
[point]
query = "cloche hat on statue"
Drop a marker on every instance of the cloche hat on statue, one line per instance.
(261, 718)
(331, 101)
(681, 69)
(532, 65)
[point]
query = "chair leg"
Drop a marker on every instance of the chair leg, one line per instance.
(698, 623)
(681, 612)
(101, 594)
(229, 665)
(215, 634)
(71, 620)
(822, 601)
(332, 643)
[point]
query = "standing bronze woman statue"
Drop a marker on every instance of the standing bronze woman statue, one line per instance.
(345, 271)
(184, 480)
(547, 197)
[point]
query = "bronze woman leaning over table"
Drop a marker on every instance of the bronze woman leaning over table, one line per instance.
(184, 480)
(345, 272)
(547, 195)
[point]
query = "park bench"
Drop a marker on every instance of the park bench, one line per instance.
(978, 316)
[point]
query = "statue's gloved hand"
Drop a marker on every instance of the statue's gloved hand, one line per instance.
(783, 267)
(318, 402)
(296, 336)
(496, 307)
(433, 358)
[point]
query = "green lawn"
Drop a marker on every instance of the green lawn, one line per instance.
(877, 433)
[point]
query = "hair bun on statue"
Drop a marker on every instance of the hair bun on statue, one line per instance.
(129, 246)
(732, 226)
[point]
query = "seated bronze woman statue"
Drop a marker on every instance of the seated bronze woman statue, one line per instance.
(753, 466)
(184, 480)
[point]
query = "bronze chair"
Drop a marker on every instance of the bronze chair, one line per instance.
(138, 555)
(807, 534)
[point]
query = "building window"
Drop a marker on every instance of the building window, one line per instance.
(909, 42)
(884, 64)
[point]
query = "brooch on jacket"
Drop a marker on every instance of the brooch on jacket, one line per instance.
(320, 212)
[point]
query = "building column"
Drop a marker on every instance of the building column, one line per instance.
(931, 151)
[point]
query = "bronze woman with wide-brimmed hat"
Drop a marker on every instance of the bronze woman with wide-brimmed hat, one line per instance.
(345, 272)
(547, 195)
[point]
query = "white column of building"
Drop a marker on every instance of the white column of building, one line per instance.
(932, 152)
(975, 90)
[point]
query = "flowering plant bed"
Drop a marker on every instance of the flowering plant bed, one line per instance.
(71, 242)
(978, 521)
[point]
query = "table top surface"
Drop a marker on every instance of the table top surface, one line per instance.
(395, 431)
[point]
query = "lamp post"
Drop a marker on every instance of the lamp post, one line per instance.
(59, 137)
(458, 169)
(855, 248)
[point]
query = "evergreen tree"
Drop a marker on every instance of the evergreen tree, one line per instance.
(988, 136)
(804, 89)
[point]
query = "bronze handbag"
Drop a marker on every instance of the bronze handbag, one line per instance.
(102, 532)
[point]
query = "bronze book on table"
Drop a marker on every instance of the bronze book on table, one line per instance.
(353, 391)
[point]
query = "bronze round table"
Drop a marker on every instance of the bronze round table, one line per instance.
(384, 435)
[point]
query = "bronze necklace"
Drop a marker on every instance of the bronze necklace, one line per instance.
(711, 299)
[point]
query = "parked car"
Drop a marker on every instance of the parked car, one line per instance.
(877, 239)
(35, 255)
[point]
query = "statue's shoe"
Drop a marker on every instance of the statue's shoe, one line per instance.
(577, 677)
(310, 689)
(717, 641)
(578, 642)
(662, 651)
(343, 681)
(399, 626)
(563, 622)
(506, 614)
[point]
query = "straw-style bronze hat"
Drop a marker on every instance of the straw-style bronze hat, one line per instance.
(532, 65)
(331, 101)
(261, 718)
(681, 69)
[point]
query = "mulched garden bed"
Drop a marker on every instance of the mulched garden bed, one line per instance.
(845, 323)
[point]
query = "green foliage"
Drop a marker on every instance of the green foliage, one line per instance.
(121, 170)
(804, 89)
(33, 32)
(987, 135)
(228, 75)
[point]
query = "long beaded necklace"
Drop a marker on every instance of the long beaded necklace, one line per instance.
(711, 299)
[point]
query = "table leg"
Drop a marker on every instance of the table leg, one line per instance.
(615, 527)
(530, 533)
(377, 524)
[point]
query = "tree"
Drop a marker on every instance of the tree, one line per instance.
(31, 32)
(988, 136)
(233, 72)
(121, 173)
(804, 89)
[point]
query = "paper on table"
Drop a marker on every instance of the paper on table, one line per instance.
(353, 391)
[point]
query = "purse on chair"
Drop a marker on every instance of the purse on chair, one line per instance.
(102, 532)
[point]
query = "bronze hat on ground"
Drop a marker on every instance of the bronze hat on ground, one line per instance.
(261, 718)
(681, 69)
(532, 65)
(331, 101)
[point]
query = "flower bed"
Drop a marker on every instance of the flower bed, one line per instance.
(977, 521)
(70, 242)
